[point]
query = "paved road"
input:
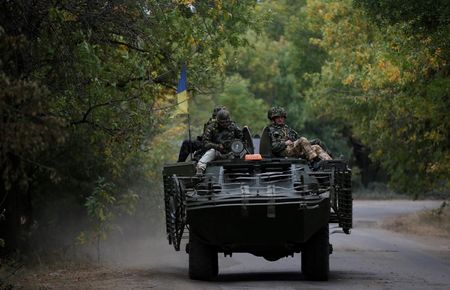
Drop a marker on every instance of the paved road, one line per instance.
(369, 258)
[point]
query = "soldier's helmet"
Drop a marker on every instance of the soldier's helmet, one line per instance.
(216, 110)
(276, 112)
(223, 118)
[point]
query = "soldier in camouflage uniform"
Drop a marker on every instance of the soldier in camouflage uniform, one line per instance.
(217, 139)
(189, 146)
(286, 142)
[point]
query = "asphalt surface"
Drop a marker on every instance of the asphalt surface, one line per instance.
(369, 258)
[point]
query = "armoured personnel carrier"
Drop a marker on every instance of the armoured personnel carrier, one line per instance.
(269, 207)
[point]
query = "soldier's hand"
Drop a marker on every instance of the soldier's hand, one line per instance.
(288, 143)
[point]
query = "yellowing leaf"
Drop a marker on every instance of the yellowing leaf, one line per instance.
(349, 79)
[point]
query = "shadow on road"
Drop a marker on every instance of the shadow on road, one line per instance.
(261, 276)
(293, 276)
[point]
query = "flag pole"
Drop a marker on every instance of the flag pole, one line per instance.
(183, 102)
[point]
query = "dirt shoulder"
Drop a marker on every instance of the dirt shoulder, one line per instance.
(434, 222)
(431, 227)
(72, 276)
(128, 269)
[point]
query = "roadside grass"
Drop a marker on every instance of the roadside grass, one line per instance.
(377, 191)
(381, 191)
(67, 275)
(8, 270)
(369, 194)
(432, 223)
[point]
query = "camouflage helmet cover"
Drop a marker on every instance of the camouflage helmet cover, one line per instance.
(216, 110)
(276, 112)
(223, 118)
(223, 115)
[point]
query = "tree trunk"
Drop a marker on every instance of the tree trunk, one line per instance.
(370, 171)
(15, 207)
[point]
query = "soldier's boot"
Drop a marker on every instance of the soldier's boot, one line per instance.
(209, 156)
(322, 154)
(201, 167)
(199, 172)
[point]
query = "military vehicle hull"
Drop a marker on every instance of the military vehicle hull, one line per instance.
(263, 225)
(271, 208)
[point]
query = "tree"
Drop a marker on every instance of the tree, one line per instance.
(389, 86)
(276, 63)
(87, 85)
(245, 109)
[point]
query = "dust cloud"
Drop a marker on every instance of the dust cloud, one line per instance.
(131, 241)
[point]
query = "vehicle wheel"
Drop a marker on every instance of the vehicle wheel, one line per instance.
(174, 197)
(203, 260)
(316, 257)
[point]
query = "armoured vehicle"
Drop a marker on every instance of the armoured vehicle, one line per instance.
(266, 206)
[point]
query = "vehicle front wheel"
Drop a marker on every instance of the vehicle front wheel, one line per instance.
(316, 256)
(203, 260)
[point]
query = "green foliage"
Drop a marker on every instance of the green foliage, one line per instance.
(423, 15)
(99, 202)
(99, 206)
(103, 209)
(86, 88)
(267, 66)
(391, 88)
(381, 86)
(275, 65)
(246, 109)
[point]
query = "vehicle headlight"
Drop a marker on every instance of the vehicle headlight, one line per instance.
(237, 147)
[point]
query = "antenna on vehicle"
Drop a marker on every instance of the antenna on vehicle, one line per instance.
(189, 132)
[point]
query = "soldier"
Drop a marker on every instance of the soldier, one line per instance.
(217, 139)
(286, 142)
(188, 146)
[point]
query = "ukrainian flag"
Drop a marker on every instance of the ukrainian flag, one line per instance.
(182, 100)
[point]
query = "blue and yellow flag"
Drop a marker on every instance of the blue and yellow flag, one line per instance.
(182, 100)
